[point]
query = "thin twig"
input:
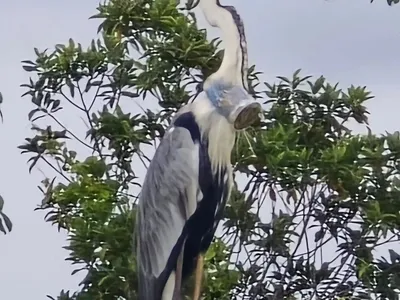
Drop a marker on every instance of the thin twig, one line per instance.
(55, 169)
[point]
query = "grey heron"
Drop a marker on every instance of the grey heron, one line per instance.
(189, 179)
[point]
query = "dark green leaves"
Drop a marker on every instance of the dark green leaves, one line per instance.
(313, 203)
(5, 222)
(390, 2)
(1, 101)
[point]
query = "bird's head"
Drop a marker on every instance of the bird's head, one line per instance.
(209, 7)
(227, 88)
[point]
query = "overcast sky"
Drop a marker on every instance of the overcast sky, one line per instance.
(351, 42)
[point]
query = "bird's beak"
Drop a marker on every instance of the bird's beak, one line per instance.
(240, 108)
(246, 114)
(192, 4)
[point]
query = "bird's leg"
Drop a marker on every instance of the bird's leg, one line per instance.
(198, 277)
(178, 278)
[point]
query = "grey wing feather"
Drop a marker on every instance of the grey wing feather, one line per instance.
(162, 212)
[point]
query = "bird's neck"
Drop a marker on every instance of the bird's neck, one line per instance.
(233, 69)
(221, 139)
(218, 132)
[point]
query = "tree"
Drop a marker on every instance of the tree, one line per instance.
(310, 183)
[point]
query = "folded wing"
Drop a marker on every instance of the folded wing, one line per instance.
(168, 199)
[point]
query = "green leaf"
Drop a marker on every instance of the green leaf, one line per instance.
(7, 221)
(129, 94)
(2, 229)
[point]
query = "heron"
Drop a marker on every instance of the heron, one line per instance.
(190, 177)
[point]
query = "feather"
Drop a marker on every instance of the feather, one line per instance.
(167, 200)
(185, 190)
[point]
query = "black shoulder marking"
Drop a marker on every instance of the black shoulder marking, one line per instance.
(199, 230)
(188, 121)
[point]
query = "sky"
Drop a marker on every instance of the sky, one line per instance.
(350, 42)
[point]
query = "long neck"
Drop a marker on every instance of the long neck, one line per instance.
(221, 139)
(234, 66)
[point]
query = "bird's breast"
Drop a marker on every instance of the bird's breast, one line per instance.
(214, 186)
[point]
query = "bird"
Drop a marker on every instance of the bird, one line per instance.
(190, 178)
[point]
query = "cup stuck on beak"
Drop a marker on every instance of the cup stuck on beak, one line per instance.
(247, 115)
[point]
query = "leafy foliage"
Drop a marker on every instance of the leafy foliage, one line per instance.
(1, 102)
(317, 202)
(5, 222)
(390, 2)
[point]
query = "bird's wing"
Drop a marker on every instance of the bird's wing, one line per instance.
(168, 198)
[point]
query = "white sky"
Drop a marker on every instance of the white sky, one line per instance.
(352, 42)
